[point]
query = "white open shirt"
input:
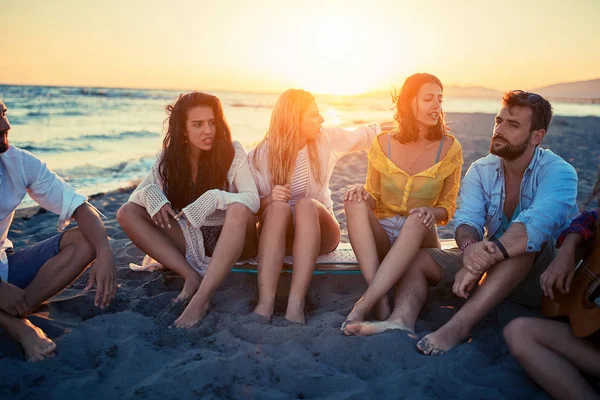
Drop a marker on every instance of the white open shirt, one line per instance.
(21, 172)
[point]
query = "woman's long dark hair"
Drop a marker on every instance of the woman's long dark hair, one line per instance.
(213, 165)
(407, 127)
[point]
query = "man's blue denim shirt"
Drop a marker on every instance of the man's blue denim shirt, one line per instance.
(548, 197)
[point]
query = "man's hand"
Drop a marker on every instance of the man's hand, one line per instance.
(281, 193)
(104, 274)
(480, 256)
(12, 300)
(464, 281)
(559, 274)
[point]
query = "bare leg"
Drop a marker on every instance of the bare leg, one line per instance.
(499, 281)
(166, 245)
(395, 263)
(551, 355)
(57, 273)
(411, 294)
(370, 244)
(276, 235)
(238, 236)
(316, 232)
(34, 341)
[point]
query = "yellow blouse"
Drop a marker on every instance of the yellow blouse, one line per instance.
(397, 193)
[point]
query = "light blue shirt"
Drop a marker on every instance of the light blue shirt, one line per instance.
(548, 197)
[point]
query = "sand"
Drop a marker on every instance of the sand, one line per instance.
(127, 351)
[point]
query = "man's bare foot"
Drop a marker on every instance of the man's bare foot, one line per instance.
(264, 310)
(440, 341)
(383, 310)
(36, 344)
(295, 312)
(190, 317)
(373, 328)
(190, 287)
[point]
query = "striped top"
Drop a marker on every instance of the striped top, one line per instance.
(300, 177)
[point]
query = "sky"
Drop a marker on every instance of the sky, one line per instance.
(325, 46)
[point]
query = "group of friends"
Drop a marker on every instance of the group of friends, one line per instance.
(196, 213)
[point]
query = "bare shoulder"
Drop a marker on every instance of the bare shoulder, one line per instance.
(383, 139)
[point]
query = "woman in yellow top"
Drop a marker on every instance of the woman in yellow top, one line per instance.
(412, 185)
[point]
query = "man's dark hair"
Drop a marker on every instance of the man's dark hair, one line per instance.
(540, 107)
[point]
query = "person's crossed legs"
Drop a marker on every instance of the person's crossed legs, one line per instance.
(38, 273)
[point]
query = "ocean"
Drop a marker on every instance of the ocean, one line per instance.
(101, 139)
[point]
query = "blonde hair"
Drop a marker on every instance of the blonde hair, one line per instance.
(282, 138)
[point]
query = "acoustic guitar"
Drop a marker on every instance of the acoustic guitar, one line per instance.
(582, 303)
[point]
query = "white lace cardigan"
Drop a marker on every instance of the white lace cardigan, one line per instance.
(207, 210)
(332, 144)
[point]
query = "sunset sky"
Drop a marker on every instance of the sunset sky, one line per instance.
(341, 47)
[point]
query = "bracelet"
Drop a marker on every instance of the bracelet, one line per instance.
(465, 245)
(501, 247)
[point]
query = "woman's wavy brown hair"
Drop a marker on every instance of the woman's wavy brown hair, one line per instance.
(213, 165)
(406, 123)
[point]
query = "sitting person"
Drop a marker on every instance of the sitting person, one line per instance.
(548, 350)
(412, 183)
(31, 276)
(522, 196)
(292, 167)
(194, 211)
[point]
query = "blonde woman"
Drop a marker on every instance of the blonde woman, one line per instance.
(412, 184)
(292, 166)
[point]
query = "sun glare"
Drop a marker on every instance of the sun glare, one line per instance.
(332, 55)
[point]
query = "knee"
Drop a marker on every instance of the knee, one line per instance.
(278, 210)
(516, 334)
(126, 213)
(415, 225)
(306, 205)
(238, 212)
(77, 244)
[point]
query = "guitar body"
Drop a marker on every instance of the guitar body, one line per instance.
(579, 304)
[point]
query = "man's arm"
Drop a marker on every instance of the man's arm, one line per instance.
(466, 233)
(104, 268)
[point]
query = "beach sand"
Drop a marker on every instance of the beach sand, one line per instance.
(127, 351)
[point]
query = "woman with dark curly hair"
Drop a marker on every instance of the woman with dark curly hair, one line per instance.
(412, 184)
(194, 211)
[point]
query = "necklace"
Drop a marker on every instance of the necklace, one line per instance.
(410, 166)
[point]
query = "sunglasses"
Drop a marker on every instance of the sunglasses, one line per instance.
(533, 98)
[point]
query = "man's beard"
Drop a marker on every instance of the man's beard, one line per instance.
(3, 142)
(510, 151)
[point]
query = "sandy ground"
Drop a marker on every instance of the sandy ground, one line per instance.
(127, 351)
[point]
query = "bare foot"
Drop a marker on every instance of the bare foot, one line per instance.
(383, 310)
(373, 328)
(440, 341)
(295, 312)
(356, 315)
(264, 310)
(191, 316)
(190, 287)
(36, 344)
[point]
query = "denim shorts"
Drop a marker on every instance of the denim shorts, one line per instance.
(24, 265)
(392, 227)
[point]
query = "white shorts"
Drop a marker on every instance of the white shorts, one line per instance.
(392, 226)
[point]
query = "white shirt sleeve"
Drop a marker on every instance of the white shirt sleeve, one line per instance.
(343, 141)
(149, 193)
(49, 190)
